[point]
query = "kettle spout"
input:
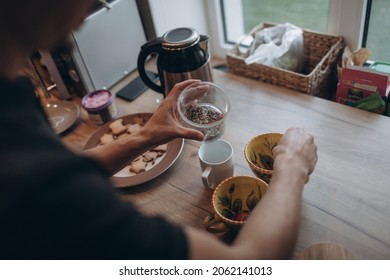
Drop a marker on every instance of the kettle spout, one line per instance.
(204, 42)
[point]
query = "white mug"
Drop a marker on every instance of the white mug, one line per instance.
(216, 161)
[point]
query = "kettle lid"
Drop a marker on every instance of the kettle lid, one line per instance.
(180, 37)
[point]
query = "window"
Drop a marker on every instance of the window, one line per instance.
(309, 14)
(377, 35)
(231, 19)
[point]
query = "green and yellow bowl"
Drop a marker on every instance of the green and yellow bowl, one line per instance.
(258, 154)
(233, 200)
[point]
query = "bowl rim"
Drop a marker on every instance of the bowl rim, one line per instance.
(253, 166)
(219, 215)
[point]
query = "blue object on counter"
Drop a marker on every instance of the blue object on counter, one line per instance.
(381, 66)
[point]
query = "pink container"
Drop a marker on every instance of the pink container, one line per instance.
(100, 106)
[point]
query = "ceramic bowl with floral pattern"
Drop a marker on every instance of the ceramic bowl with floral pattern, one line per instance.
(258, 154)
(233, 200)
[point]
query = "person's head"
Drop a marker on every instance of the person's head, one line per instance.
(32, 24)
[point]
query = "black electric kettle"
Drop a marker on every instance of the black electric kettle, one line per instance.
(181, 54)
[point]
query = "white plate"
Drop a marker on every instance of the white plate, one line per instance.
(61, 114)
(124, 178)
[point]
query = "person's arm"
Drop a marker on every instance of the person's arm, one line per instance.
(272, 228)
(161, 128)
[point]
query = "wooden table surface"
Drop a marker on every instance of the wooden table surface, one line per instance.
(347, 200)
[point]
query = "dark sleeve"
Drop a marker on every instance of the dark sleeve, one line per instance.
(111, 228)
(65, 208)
(57, 205)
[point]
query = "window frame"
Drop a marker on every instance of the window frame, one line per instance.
(346, 18)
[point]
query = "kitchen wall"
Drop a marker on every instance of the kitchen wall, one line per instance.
(198, 14)
(169, 14)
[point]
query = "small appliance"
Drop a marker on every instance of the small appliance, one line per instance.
(181, 54)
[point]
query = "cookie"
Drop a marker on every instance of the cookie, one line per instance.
(149, 156)
(161, 148)
(117, 127)
(123, 135)
(138, 120)
(132, 128)
(159, 154)
(137, 167)
(106, 139)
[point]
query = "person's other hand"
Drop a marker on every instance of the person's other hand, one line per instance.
(297, 151)
(164, 126)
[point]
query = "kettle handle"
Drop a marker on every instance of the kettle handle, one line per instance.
(147, 49)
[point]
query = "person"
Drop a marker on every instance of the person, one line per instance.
(55, 204)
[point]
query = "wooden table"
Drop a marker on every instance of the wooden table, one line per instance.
(347, 200)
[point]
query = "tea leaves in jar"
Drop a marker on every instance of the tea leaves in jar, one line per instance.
(208, 119)
(203, 114)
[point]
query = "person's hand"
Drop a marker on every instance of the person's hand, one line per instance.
(164, 126)
(296, 151)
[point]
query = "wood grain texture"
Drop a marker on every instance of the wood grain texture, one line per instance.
(326, 251)
(347, 200)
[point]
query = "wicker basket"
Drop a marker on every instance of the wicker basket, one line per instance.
(321, 53)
